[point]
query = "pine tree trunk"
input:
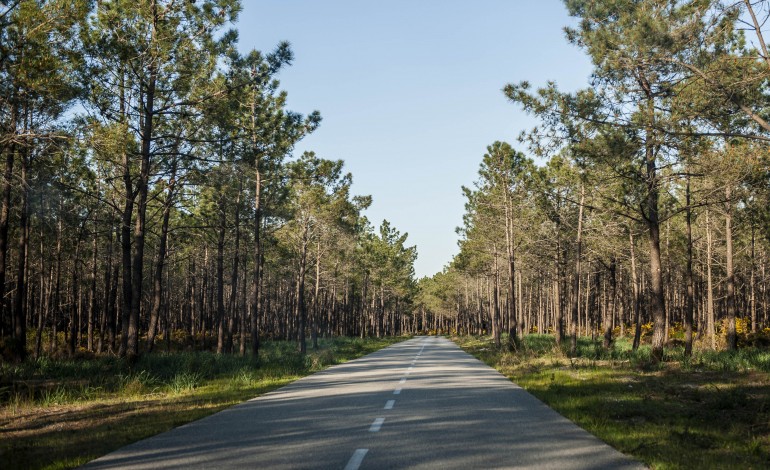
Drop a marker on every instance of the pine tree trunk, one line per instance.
(125, 250)
(301, 309)
(576, 278)
(45, 296)
(19, 317)
(558, 312)
(220, 295)
(5, 211)
(157, 279)
(112, 309)
(657, 302)
(709, 285)
(73, 317)
(316, 292)
(233, 307)
(381, 313)
(753, 284)
(56, 309)
(512, 317)
(103, 320)
(137, 261)
(732, 337)
(255, 283)
(690, 299)
(637, 297)
(92, 292)
(496, 305)
(609, 313)
(657, 299)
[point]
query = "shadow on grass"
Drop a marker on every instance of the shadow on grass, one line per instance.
(64, 413)
(70, 436)
(711, 411)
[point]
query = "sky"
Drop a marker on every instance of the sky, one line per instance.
(410, 94)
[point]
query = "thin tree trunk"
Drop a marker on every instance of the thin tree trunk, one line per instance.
(557, 305)
(220, 294)
(510, 249)
(690, 300)
(316, 292)
(576, 279)
(381, 313)
(73, 325)
(301, 309)
(609, 312)
(92, 292)
(496, 306)
(20, 321)
(732, 337)
(112, 309)
(56, 309)
(157, 279)
(5, 211)
(255, 285)
(752, 284)
(45, 293)
(637, 295)
(709, 285)
(234, 276)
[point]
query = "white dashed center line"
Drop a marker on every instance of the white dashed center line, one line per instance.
(389, 404)
(397, 391)
(403, 380)
(356, 459)
(376, 425)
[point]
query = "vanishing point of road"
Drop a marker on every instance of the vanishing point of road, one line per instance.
(422, 403)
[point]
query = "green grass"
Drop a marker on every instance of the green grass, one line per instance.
(58, 414)
(708, 411)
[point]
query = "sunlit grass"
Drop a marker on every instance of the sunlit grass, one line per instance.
(62, 414)
(708, 411)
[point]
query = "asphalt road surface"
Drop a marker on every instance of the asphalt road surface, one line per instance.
(422, 403)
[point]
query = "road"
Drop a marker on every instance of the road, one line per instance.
(422, 403)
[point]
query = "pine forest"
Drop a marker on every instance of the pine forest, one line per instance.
(174, 241)
(150, 192)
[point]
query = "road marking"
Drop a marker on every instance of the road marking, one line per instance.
(403, 380)
(410, 368)
(389, 404)
(397, 391)
(376, 425)
(356, 459)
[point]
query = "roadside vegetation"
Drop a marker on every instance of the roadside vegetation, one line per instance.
(711, 410)
(59, 414)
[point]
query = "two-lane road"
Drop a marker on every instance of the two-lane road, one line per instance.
(423, 403)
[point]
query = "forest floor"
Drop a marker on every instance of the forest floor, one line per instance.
(708, 411)
(57, 414)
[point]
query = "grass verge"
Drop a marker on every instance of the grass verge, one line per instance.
(62, 414)
(709, 411)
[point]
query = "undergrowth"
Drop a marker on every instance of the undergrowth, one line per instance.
(711, 410)
(63, 413)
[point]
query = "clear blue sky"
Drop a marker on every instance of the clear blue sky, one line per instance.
(410, 93)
